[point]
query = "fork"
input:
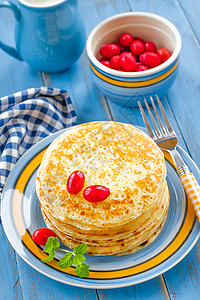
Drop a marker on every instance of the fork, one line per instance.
(166, 139)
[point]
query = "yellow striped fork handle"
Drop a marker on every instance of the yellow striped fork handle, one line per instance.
(192, 190)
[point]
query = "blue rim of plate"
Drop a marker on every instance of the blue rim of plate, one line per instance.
(21, 215)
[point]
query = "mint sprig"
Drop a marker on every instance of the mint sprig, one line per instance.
(75, 257)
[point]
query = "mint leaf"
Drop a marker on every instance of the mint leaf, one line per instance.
(66, 261)
(78, 258)
(56, 243)
(50, 257)
(82, 270)
(51, 244)
(80, 249)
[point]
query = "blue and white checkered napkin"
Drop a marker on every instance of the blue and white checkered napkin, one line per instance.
(28, 116)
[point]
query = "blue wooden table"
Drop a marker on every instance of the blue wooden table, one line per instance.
(17, 279)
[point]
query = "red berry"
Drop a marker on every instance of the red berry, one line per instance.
(128, 52)
(96, 193)
(75, 182)
(150, 46)
(41, 235)
(150, 59)
(125, 39)
(106, 63)
(127, 61)
(164, 54)
(140, 67)
(122, 48)
(115, 62)
(109, 50)
(137, 47)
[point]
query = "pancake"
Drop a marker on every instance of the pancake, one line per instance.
(76, 228)
(97, 234)
(119, 157)
(136, 238)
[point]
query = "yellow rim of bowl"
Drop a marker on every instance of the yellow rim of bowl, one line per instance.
(135, 84)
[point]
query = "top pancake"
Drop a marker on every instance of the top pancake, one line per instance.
(116, 155)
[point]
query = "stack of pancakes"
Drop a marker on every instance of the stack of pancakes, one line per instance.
(119, 157)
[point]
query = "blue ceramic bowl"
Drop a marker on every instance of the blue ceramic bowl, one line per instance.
(125, 88)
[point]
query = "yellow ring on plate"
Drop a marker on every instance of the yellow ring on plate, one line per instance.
(37, 251)
(134, 84)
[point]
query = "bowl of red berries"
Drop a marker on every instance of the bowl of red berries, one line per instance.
(133, 55)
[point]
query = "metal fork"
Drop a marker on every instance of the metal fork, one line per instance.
(166, 139)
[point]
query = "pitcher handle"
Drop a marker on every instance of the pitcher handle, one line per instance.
(11, 50)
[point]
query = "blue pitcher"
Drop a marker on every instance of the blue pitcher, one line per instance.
(50, 35)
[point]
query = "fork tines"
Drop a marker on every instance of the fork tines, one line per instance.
(162, 131)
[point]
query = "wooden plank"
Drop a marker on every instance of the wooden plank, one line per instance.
(189, 84)
(184, 94)
(89, 103)
(96, 11)
(152, 289)
(37, 286)
(10, 284)
(183, 280)
(191, 11)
